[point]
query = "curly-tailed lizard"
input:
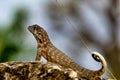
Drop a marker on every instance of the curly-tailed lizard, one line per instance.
(54, 55)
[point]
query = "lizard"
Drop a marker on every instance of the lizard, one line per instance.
(46, 49)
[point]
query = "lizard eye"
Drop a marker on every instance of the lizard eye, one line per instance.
(39, 33)
(96, 57)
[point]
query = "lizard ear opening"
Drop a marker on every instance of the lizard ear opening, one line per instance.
(40, 40)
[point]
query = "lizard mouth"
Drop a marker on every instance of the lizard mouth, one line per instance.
(30, 28)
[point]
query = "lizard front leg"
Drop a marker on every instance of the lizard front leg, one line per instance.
(38, 56)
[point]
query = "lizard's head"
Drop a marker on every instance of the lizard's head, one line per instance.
(39, 33)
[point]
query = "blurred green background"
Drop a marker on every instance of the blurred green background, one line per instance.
(96, 20)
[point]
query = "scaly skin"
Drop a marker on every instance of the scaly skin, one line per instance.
(54, 55)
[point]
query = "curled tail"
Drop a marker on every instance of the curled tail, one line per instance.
(99, 58)
(95, 75)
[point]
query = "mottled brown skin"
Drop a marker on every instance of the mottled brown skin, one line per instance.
(54, 55)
